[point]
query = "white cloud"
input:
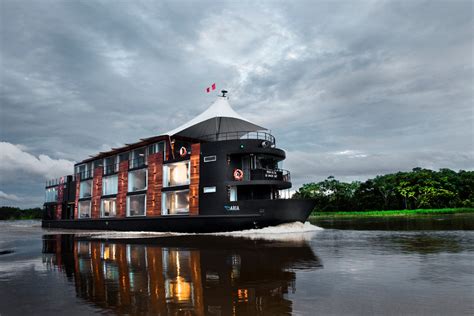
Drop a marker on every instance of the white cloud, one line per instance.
(8, 197)
(14, 159)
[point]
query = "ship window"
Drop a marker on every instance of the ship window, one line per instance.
(85, 189)
(108, 208)
(84, 209)
(209, 189)
(175, 202)
(137, 180)
(81, 169)
(110, 165)
(210, 158)
(136, 205)
(109, 185)
(51, 195)
(176, 174)
(232, 193)
(138, 158)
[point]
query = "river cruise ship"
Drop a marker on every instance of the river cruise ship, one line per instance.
(218, 172)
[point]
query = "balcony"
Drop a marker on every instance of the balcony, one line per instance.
(239, 135)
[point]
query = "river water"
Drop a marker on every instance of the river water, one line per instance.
(292, 269)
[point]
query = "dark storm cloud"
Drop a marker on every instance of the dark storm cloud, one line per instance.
(350, 88)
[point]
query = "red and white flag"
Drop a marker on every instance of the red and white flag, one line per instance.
(212, 87)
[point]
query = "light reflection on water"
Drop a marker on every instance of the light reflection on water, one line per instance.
(198, 274)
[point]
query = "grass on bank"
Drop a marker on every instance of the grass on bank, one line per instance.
(394, 212)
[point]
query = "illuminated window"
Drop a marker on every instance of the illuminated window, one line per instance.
(137, 180)
(176, 174)
(209, 189)
(85, 189)
(84, 209)
(108, 208)
(109, 185)
(136, 205)
(51, 195)
(175, 202)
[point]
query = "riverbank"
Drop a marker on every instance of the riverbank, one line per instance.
(392, 213)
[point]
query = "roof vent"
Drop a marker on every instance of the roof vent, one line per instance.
(224, 93)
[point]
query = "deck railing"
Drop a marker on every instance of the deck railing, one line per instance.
(239, 135)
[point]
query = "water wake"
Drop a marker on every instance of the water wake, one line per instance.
(290, 231)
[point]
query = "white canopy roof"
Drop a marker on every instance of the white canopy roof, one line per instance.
(218, 118)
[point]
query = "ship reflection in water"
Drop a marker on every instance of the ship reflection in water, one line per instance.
(181, 275)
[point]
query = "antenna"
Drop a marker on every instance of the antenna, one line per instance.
(224, 92)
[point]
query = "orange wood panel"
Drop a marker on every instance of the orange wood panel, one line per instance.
(96, 192)
(194, 183)
(155, 184)
(121, 202)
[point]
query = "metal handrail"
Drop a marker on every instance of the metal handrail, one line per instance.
(239, 135)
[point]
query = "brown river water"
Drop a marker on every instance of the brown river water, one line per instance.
(364, 268)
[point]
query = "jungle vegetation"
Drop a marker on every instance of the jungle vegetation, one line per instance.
(417, 189)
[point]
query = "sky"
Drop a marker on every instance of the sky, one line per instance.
(350, 89)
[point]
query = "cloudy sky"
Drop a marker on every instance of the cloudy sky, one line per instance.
(349, 88)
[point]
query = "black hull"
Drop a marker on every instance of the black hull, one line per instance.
(252, 214)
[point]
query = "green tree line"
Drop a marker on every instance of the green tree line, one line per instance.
(9, 212)
(419, 188)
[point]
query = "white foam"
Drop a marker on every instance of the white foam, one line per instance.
(290, 231)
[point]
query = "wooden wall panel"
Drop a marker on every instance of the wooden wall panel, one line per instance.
(155, 184)
(194, 183)
(96, 192)
(121, 202)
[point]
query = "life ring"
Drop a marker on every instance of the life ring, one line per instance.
(183, 151)
(238, 174)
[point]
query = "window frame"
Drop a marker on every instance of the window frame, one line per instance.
(129, 179)
(128, 205)
(102, 207)
(79, 209)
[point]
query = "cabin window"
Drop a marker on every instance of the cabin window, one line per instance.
(137, 180)
(109, 185)
(110, 165)
(84, 209)
(209, 189)
(175, 174)
(210, 158)
(175, 202)
(233, 193)
(108, 208)
(81, 169)
(51, 195)
(136, 205)
(85, 189)
(138, 158)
